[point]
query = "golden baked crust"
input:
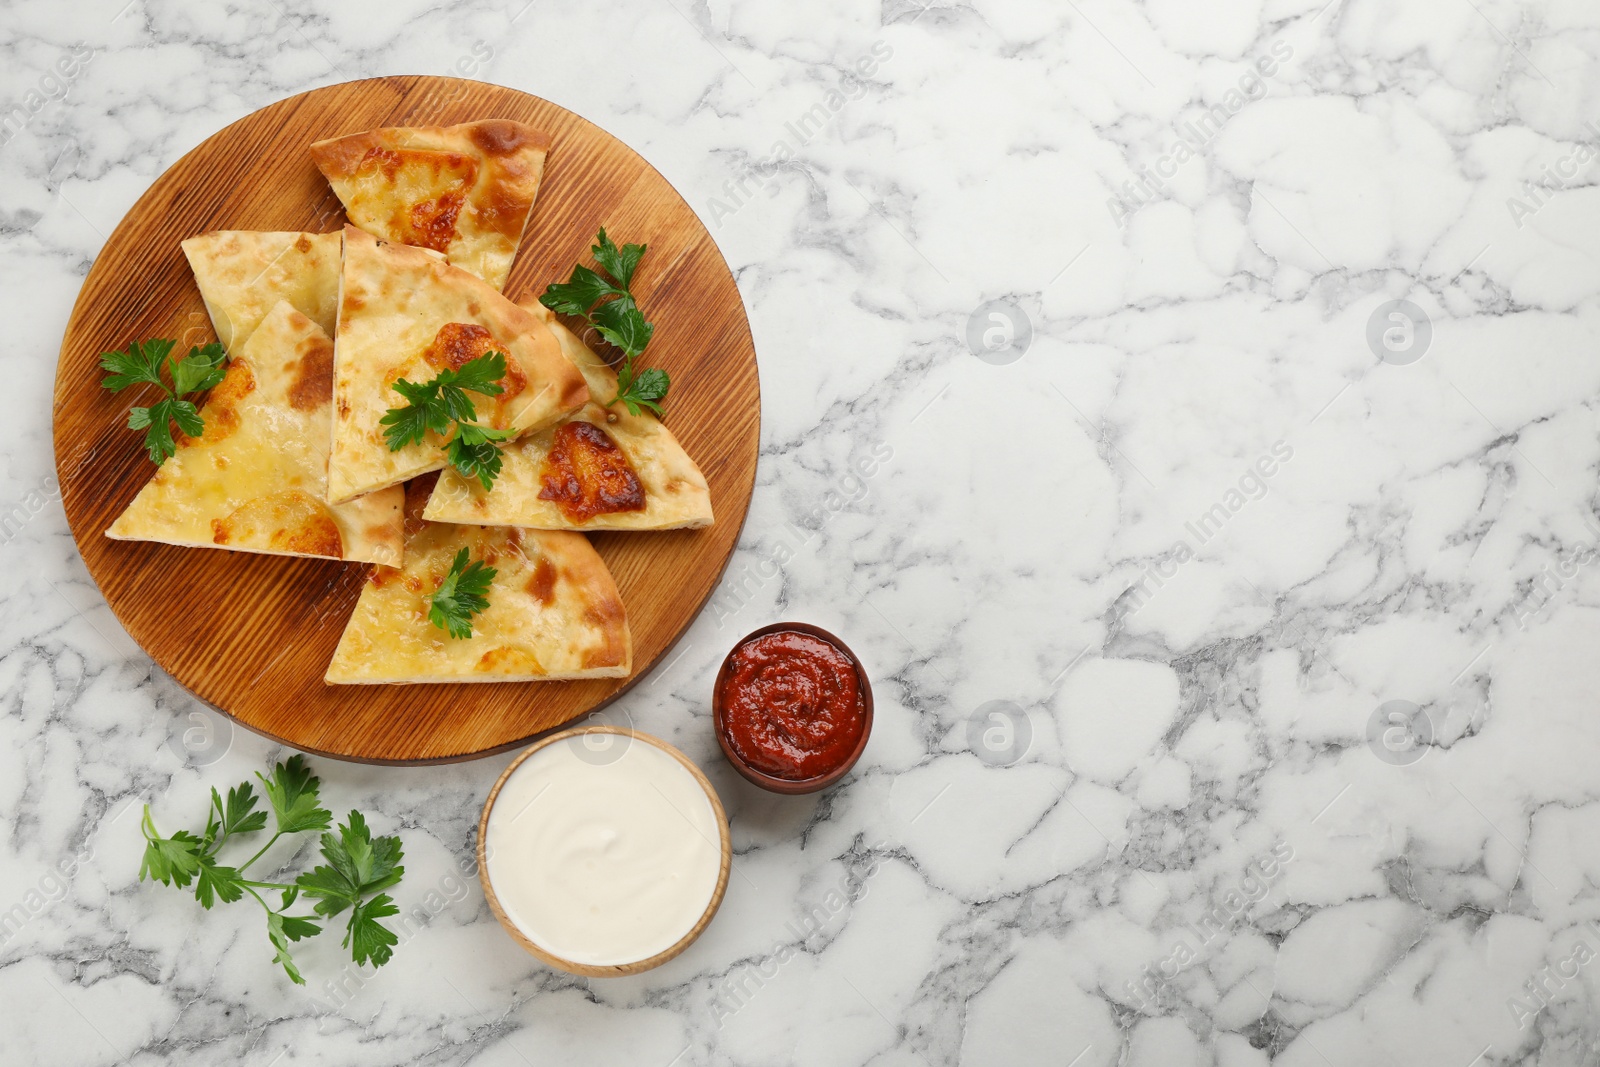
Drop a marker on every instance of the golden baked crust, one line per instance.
(256, 480)
(464, 191)
(394, 302)
(242, 274)
(554, 612)
(528, 491)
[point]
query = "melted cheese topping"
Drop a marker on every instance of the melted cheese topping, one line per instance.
(457, 344)
(256, 479)
(553, 612)
(396, 303)
(586, 474)
(242, 274)
(603, 850)
(414, 197)
(675, 493)
(464, 191)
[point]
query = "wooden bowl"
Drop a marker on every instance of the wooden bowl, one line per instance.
(620, 969)
(791, 786)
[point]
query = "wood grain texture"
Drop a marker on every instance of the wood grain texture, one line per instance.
(252, 635)
(619, 970)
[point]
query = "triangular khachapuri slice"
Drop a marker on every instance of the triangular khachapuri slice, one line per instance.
(598, 469)
(242, 274)
(553, 610)
(257, 478)
(406, 313)
(464, 191)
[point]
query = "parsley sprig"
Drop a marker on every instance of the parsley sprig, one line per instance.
(359, 866)
(607, 304)
(461, 595)
(141, 364)
(441, 402)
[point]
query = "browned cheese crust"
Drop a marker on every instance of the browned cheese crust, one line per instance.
(554, 611)
(405, 313)
(256, 480)
(463, 191)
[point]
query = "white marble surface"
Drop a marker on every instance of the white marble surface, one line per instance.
(1197, 695)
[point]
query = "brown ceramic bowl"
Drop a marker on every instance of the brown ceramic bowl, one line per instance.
(791, 786)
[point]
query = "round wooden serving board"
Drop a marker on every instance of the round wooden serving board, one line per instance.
(252, 634)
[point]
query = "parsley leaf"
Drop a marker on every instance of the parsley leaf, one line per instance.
(609, 306)
(187, 416)
(473, 453)
(423, 412)
(481, 375)
(237, 817)
(282, 929)
(366, 937)
(292, 791)
(156, 422)
(460, 596)
(579, 293)
(329, 886)
(169, 860)
(201, 369)
(223, 882)
(435, 404)
(359, 866)
(622, 324)
(620, 264)
(643, 391)
(139, 365)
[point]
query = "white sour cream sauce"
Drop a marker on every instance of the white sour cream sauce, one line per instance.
(603, 850)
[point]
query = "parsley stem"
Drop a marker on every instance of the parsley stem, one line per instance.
(216, 846)
(270, 909)
(247, 883)
(258, 855)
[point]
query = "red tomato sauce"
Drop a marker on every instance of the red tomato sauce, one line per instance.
(792, 705)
